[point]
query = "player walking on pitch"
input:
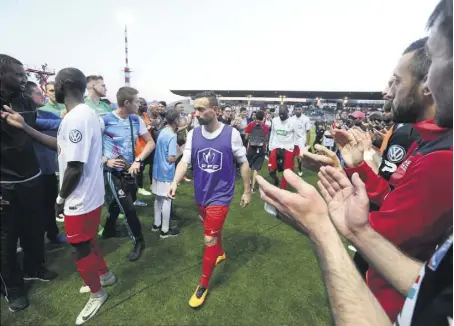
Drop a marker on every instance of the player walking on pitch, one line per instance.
(81, 194)
(212, 149)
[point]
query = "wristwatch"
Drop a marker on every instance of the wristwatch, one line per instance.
(138, 160)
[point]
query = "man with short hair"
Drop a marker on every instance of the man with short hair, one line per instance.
(212, 150)
(257, 133)
(163, 174)
(122, 128)
(140, 145)
(96, 90)
(48, 123)
(414, 214)
(35, 93)
(21, 191)
(52, 106)
(282, 144)
(241, 124)
(302, 126)
(81, 196)
(226, 117)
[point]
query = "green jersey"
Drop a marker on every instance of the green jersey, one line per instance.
(56, 108)
(101, 108)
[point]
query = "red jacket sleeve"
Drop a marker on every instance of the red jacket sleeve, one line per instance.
(248, 128)
(377, 188)
(419, 210)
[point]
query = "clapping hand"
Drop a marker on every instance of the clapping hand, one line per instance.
(304, 210)
(348, 203)
(323, 157)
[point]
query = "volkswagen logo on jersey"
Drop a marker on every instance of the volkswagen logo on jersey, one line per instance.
(75, 136)
(396, 153)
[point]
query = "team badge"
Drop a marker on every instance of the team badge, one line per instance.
(209, 160)
(396, 153)
(75, 136)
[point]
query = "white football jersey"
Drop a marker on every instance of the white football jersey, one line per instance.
(282, 134)
(301, 125)
(79, 139)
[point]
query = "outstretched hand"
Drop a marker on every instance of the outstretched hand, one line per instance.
(304, 210)
(348, 203)
(324, 157)
(12, 117)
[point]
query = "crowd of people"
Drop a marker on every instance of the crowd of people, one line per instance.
(385, 182)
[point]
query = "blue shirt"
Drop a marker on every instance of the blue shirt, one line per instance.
(165, 146)
(47, 123)
(117, 140)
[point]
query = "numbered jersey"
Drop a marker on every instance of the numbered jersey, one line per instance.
(79, 140)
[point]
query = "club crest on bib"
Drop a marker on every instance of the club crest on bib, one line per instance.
(209, 160)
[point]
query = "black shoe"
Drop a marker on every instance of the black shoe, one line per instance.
(170, 233)
(137, 251)
(18, 303)
(43, 274)
(115, 234)
(155, 228)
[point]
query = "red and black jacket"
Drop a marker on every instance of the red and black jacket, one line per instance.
(416, 204)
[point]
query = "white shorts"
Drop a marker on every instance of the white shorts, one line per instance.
(160, 188)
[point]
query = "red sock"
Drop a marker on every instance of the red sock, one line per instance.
(87, 267)
(209, 261)
(101, 264)
(219, 243)
(283, 183)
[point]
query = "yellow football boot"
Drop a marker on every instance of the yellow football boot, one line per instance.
(198, 298)
(221, 258)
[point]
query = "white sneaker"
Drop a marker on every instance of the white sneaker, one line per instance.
(106, 280)
(60, 218)
(143, 192)
(300, 173)
(91, 308)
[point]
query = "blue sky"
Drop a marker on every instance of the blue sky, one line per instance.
(202, 44)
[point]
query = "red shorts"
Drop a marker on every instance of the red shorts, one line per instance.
(288, 160)
(296, 151)
(213, 218)
(80, 228)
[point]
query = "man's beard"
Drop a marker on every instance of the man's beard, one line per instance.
(203, 122)
(298, 114)
(98, 93)
(409, 109)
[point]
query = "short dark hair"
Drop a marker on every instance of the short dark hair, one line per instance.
(6, 61)
(125, 94)
(212, 98)
(94, 78)
(29, 86)
(72, 80)
(172, 116)
(298, 106)
(420, 62)
(443, 10)
(48, 83)
(243, 109)
(260, 115)
(164, 104)
(175, 105)
(283, 106)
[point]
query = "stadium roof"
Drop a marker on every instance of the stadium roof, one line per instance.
(289, 94)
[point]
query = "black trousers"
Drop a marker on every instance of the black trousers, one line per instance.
(361, 264)
(147, 161)
(22, 217)
(50, 193)
(121, 200)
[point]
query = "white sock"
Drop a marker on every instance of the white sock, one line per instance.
(166, 214)
(157, 210)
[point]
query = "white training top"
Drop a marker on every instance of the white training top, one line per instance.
(79, 139)
(301, 125)
(237, 144)
(282, 134)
